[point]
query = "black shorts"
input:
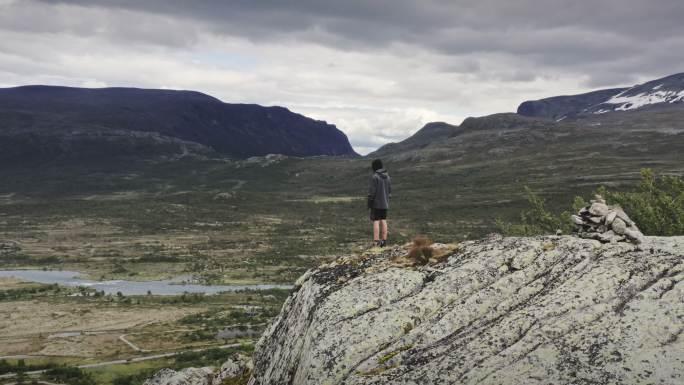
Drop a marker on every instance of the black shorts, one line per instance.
(378, 214)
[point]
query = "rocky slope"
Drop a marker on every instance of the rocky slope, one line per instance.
(544, 310)
(82, 123)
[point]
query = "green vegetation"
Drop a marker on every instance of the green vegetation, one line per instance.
(21, 366)
(33, 292)
(129, 374)
(136, 373)
(70, 375)
(656, 205)
(247, 318)
(537, 219)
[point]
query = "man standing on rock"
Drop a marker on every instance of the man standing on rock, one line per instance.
(379, 193)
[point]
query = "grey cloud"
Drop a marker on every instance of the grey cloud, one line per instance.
(385, 21)
(553, 35)
(122, 26)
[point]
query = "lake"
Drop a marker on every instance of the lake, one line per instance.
(165, 287)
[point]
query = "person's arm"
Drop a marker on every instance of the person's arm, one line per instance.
(372, 190)
(389, 187)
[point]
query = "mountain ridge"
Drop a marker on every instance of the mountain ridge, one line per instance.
(236, 130)
(659, 93)
(557, 115)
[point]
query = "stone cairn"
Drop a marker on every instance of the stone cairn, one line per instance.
(606, 223)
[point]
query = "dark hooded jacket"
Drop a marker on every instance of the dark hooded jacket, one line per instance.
(380, 190)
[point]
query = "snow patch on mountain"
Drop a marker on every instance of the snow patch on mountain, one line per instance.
(642, 99)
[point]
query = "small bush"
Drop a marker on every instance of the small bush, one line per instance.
(656, 205)
(537, 219)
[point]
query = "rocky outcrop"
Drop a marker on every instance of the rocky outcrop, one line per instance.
(188, 376)
(237, 367)
(543, 310)
(235, 370)
(606, 223)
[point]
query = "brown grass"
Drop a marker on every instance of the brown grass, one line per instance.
(421, 250)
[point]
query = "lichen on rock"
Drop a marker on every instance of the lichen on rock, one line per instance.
(187, 376)
(235, 368)
(555, 309)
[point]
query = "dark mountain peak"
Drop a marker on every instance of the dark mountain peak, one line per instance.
(660, 93)
(236, 130)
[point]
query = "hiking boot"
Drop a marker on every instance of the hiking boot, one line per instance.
(383, 243)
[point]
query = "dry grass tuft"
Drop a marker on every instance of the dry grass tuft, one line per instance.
(421, 250)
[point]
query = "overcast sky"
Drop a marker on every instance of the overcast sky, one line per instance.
(378, 69)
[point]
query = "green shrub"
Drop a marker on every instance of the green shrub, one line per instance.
(656, 205)
(537, 219)
(134, 379)
(70, 375)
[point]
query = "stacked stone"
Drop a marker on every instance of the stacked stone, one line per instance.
(606, 223)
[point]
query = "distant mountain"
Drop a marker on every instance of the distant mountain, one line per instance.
(50, 121)
(504, 151)
(429, 133)
(661, 93)
(440, 135)
(558, 107)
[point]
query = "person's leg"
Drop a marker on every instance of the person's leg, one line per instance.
(376, 231)
(384, 229)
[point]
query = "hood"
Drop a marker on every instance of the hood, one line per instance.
(382, 173)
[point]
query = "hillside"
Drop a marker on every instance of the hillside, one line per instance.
(431, 132)
(545, 310)
(60, 122)
(515, 146)
(655, 94)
